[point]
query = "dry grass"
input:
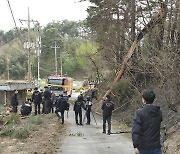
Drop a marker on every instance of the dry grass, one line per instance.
(35, 134)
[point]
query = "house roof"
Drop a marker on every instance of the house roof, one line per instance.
(10, 85)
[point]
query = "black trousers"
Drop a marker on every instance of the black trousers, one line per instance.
(108, 119)
(14, 109)
(80, 117)
(52, 107)
(37, 107)
(88, 112)
(62, 115)
(47, 106)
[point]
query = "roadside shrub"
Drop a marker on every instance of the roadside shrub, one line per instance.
(50, 116)
(12, 118)
(1, 120)
(15, 131)
(21, 132)
(1, 109)
(7, 130)
(122, 89)
(36, 120)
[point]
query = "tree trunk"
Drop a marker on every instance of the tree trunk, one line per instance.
(153, 22)
(133, 14)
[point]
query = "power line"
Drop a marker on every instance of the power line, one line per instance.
(12, 14)
(14, 21)
(29, 39)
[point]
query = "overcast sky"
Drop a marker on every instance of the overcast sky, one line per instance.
(43, 11)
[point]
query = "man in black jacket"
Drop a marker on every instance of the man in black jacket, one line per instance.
(107, 107)
(61, 106)
(53, 101)
(88, 109)
(14, 101)
(46, 100)
(36, 98)
(146, 126)
(78, 105)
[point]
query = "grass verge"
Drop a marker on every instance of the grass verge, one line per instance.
(33, 134)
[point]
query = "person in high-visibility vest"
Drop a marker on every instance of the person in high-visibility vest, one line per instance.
(29, 95)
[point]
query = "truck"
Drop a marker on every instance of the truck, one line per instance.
(60, 84)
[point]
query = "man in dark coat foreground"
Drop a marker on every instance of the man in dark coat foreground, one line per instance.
(146, 126)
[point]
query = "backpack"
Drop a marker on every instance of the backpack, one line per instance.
(64, 105)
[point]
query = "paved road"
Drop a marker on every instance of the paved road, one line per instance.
(88, 139)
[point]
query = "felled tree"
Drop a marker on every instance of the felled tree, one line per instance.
(156, 19)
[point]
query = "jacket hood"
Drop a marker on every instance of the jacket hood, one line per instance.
(152, 109)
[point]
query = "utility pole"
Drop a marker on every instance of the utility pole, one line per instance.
(61, 64)
(55, 57)
(38, 51)
(29, 63)
(38, 54)
(7, 67)
(28, 45)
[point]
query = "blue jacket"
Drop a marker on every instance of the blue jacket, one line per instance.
(146, 127)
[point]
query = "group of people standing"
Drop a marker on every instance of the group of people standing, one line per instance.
(80, 104)
(86, 104)
(146, 123)
(47, 98)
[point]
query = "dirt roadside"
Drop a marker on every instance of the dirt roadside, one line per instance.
(43, 139)
(122, 121)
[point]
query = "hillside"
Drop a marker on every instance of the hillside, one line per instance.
(125, 107)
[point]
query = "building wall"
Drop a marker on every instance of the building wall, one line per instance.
(8, 94)
(1, 97)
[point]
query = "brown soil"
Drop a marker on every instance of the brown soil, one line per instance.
(45, 139)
